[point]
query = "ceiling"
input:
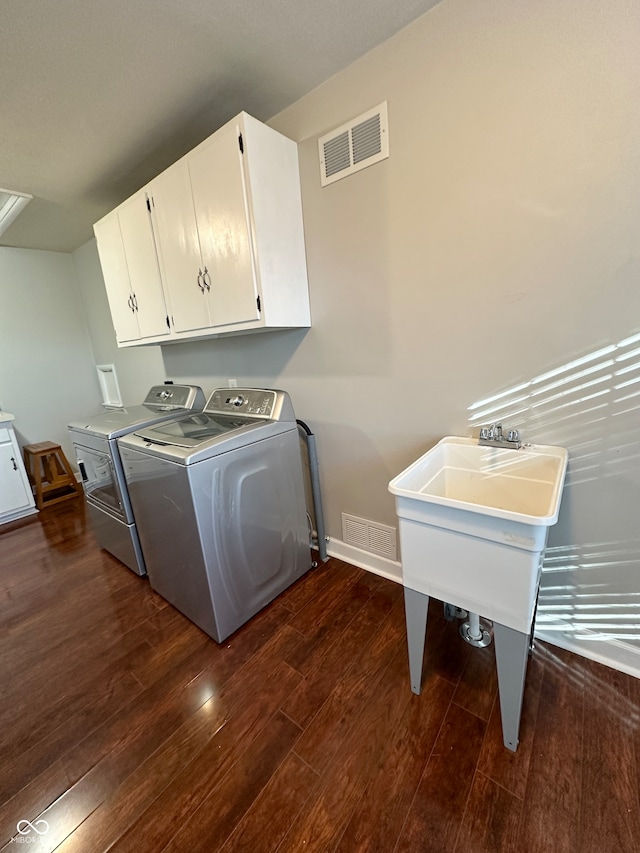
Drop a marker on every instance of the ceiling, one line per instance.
(99, 96)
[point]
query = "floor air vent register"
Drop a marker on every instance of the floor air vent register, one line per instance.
(369, 536)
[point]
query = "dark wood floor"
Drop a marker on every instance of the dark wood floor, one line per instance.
(125, 728)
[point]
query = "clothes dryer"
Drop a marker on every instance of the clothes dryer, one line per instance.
(94, 441)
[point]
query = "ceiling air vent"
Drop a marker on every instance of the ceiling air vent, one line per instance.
(354, 146)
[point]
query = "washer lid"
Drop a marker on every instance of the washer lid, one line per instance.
(194, 430)
(210, 435)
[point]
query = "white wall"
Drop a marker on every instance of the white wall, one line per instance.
(499, 241)
(47, 370)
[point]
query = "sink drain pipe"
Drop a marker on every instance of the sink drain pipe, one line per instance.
(473, 633)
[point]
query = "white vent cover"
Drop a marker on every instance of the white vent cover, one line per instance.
(355, 145)
(369, 536)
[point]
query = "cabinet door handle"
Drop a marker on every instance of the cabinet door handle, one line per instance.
(130, 303)
(200, 283)
(15, 467)
(135, 302)
(83, 471)
(206, 275)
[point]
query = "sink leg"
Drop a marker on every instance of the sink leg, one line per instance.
(512, 648)
(415, 610)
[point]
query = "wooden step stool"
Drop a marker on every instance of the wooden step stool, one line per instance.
(50, 473)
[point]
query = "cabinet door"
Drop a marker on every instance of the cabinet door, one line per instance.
(179, 248)
(116, 278)
(13, 491)
(219, 197)
(142, 263)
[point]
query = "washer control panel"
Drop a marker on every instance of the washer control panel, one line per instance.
(261, 403)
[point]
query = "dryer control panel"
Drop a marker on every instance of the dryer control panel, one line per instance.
(168, 397)
(266, 403)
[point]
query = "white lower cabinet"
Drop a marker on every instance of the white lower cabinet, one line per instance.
(226, 230)
(16, 497)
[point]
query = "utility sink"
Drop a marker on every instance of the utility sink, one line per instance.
(473, 523)
(522, 485)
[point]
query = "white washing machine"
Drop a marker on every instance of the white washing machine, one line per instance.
(219, 501)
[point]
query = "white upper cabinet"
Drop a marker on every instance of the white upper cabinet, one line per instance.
(179, 248)
(224, 230)
(217, 171)
(116, 276)
(272, 184)
(127, 251)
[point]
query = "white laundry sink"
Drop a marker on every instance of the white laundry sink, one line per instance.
(473, 527)
(473, 524)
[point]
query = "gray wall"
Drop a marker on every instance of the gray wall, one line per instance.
(497, 243)
(47, 370)
(54, 328)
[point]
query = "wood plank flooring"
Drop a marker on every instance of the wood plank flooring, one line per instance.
(125, 728)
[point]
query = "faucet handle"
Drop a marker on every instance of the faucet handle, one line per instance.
(513, 436)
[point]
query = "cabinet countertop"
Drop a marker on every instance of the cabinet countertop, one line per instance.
(5, 416)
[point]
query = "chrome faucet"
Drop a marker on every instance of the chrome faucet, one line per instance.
(493, 436)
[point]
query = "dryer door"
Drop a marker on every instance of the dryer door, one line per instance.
(99, 479)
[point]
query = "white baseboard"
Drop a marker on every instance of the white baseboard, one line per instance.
(17, 514)
(614, 653)
(365, 560)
